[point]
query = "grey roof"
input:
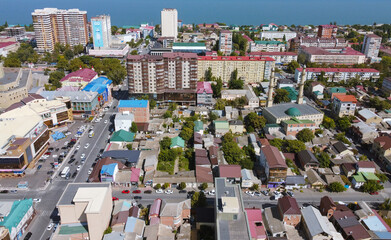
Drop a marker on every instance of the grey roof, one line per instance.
(125, 156)
(122, 116)
(306, 157)
(75, 96)
(11, 74)
(114, 236)
(340, 147)
(315, 223)
(292, 180)
(279, 110)
(174, 207)
(273, 221)
(71, 190)
(367, 114)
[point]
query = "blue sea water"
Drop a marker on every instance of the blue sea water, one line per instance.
(240, 12)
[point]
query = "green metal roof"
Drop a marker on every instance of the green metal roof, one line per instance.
(268, 42)
(198, 126)
(73, 229)
(122, 136)
(18, 211)
(221, 124)
(337, 90)
(359, 177)
(177, 142)
(318, 93)
(293, 112)
(196, 44)
(293, 94)
(272, 125)
(297, 121)
(370, 176)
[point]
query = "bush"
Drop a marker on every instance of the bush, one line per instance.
(204, 186)
(157, 186)
(346, 180)
(166, 185)
(182, 186)
(336, 187)
(108, 230)
(255, 187)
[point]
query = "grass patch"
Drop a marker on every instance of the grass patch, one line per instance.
(166, 166)
(183, 164)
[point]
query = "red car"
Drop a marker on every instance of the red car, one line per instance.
(126, 191)
(374, 193)
(115, 198)
(48, 153)
(136, 191)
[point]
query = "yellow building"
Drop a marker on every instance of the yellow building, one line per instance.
(250, 69)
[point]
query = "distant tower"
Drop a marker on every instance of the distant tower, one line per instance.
(270, 93)
(301, 87)
(169, 22)
(101, 31)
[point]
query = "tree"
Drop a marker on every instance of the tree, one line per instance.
(371, 186)
(277, 142)
(62, 64)
(212, 116)
(55, 77)
(305, 135)
(324, 160)
(186, 133)
(117, 75)
(234, 82)
(383, 177)
(198, 200)
(220, 104)
(96, 64)
(12, 62)
(167, 114)
(165, 143)
(254, 122)
(152, 103)
(133, 128)
(77, 49)
(134, 52)
(204, 186)
(255, 187)
(344, 124)
(386, 205)
(292, 66)
(108, 230)
(114, 30)
(129, 146)
(217, 88)
(281, 95)
(76, 64)
(68, 54)
(336, 187)
(208, 75)
(328, 123)
(157, 186)
(166, 185)
(182, 185)
(294, 146)
(232, 152)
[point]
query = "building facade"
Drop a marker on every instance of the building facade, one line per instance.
(294, 126)
(204, 94)
(279, 57)
(284, 35)
(169, 21)
(52, 25)
(327, 31)
(346, 56)
(250, 69)
(338, 74)
(344, 105)
(101, 31)
(297, 42)
(225, 42)
(267, 46)
(371, 45)
(15, 31)
(139, 109)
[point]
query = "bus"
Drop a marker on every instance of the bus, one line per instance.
(65, 171)
(91, 133)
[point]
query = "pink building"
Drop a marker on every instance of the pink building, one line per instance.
(80, 78)
(204, 94)
(154, 211)
(139, 108)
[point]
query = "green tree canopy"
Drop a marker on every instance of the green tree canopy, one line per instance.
(165, 143)
(371, 186)
(55, 77)
(305, 135)
(182, 185)
(336, 187)
(134, 127)
(254, 122)
(328, 122)
(117, 75)
(293, 65)
(281, 96)
(324, 160)
(217, 88)
(344, 124)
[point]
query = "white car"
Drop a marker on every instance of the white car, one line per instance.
(159, 191)
(78, 147)
(78, 168)
(83, 155)
(50, 226)
(212, 193)
(37, 200)
(90, 171)
(168, 192)
(250, 193)
(106, 121)
(87, 145)
(65, 143)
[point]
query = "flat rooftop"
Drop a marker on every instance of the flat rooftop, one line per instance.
(72, 189)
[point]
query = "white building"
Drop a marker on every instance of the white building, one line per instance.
(267, 46)
(338, 74)
(344, 105)
(123, 121)
(347, 56)
(278, 35)
(101, 31)
(169, 18)
(280, 57)
(371, 45)
(225, 42)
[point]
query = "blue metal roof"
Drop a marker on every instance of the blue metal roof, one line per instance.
(102, 80)
(133, 103)
(374, 224)
(130, 224)
(98, 85)
(108, 169)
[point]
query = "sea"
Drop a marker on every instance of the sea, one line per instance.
(239, 12)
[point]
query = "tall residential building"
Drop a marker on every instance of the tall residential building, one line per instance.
(250, 69)
(371, 45)
(225, 42)
(327, 31)
(167, 77)
(101, 31)
(52, 25)
(169, 17)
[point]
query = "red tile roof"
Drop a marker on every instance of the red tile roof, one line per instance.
(204, 174)
(6, 44)
(81, 75)
(365, 164)
(272, 54)
(254, 216)
(288, 206)
(230, 171)
(384, 141)
(318, 70)
(204, 87)
(323, 51)
(247, 38)
(234, 58)
(273, 157)
(346, 98)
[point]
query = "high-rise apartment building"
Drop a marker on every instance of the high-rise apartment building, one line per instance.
(52, 25)
(167, 77)
(371, 45)
(327, 31)
(169, 17)
(101, 31)
(225, 42)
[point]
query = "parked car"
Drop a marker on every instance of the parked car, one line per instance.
(250, 193)
(115, 198)
(290, 193)
(212, 193)
(182, 191)
(90, 171)
(168, 191)
(136, 191)
(159, 191)
(258, 194)
(83, 155)
(50, 226)
(28, 236)
(147, 191)
(78, 147)
(14, 191)
(87, 145)
(125, 191)
(39, 167)
(4, 191)
(78, 168)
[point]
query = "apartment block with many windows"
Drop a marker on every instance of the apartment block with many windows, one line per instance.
(225, 42)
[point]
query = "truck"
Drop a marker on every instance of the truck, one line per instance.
(65, 172)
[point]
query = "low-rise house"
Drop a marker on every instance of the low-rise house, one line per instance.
(317, 90)
(330, 178)
(231, 172)
(294, 126)
(173, 212)
(341, 149)
(154, 210)
(108, 172)
(273, 165)
(374, 224)
(257, 228)
(347, 223)
(344, 105)
(362, 177)
(197, 140)
(158, 231)
(150, 162)
(366, 166)
(199, 127)
(336, 91)
(369, 117)
(236, 126)
(348, 168)
(135, 226)
(274, 226)
(248, 178)
(204, 174)
(122, 136)
(177, 142)
(292, 182)
(15, 216)
(327, 206)
(307, 160)
(365, 133)
(381, 147)
(314, 179)
(289, 210)
(364, 211)
(129, 158)
(123, 121)
(221, 127)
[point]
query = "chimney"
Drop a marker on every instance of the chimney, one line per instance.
(301, 87)
(270, 93)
